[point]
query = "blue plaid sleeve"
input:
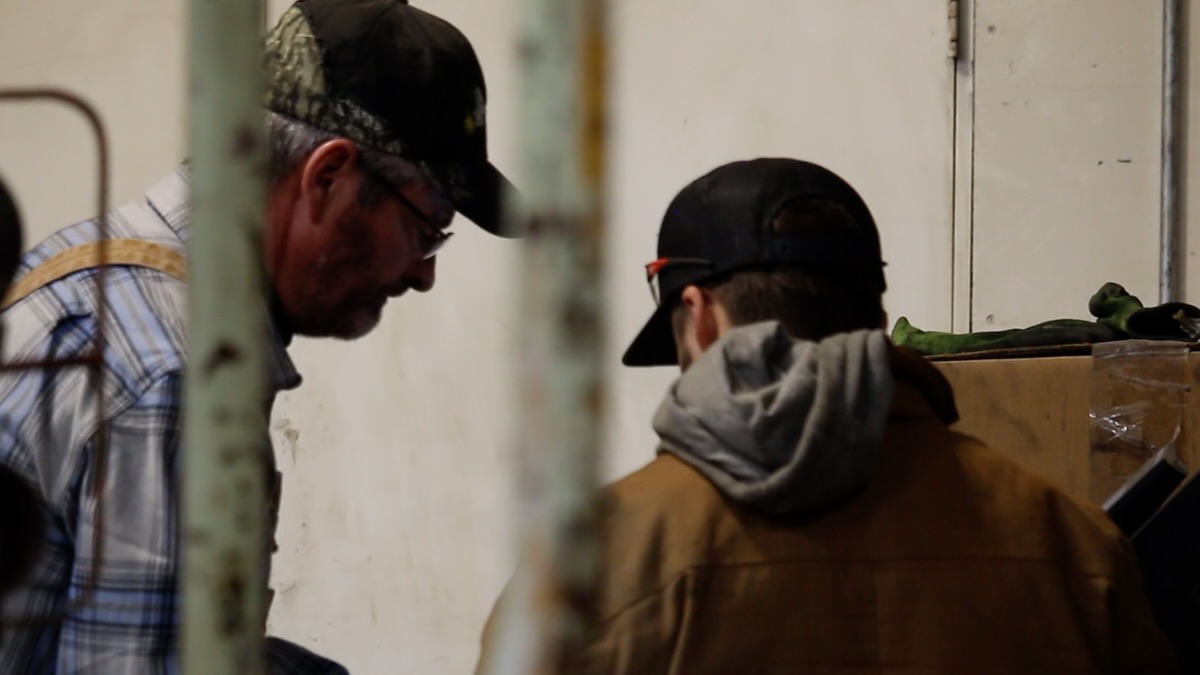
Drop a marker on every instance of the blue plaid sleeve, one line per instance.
(129, 621)
(128, 618)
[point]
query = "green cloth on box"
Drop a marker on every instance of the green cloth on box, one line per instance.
(1119, 316)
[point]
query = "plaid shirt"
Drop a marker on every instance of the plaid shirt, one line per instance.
(48, 420)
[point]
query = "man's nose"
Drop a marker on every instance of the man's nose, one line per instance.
(422, 274)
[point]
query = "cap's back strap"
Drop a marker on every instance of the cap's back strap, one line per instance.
(135, 252)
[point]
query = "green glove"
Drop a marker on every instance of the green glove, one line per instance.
(1120, 316)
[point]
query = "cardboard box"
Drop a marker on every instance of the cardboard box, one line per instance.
(1039, 409)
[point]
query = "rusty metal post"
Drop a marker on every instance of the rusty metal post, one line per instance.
(561, 387)
(224, 468)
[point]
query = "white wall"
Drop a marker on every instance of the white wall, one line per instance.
(1189, 205)
(126, 58)
(396, 497)
(1065, 156)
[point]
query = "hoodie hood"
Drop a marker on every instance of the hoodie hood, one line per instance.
(786, 427)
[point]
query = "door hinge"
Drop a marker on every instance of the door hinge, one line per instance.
(954, 23)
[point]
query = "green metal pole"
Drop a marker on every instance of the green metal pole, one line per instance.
(562, 384)
(224, 470)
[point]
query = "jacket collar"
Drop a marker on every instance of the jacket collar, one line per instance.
(921, 389)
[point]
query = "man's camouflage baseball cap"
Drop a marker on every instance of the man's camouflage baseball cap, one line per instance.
(393, 78)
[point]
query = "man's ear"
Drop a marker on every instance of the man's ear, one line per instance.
(330, 179)
(704, 327)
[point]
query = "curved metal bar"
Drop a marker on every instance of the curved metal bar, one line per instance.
(94, 361)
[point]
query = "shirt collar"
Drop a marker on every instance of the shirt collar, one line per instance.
(280, 367)
(169, 199)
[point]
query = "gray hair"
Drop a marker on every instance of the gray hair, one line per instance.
(291, 141)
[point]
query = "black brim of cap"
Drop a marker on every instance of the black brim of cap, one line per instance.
(655, 344)
(478, 191)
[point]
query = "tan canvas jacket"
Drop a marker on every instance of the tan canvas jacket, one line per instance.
(954, 560)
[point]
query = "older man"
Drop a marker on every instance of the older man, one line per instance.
(377, 136)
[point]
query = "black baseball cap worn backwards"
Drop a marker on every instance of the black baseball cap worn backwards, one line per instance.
(393, 78)
(722, 223)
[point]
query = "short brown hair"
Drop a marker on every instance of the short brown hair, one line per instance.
(810, 301)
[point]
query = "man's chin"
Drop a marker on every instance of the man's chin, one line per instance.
(360, 325)
(351, 326)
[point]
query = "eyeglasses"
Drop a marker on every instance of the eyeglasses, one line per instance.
(432, 238)
(654, 269)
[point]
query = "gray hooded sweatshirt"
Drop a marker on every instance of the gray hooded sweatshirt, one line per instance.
(786, 427)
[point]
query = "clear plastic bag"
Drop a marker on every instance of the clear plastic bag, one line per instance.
(1139, 392)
